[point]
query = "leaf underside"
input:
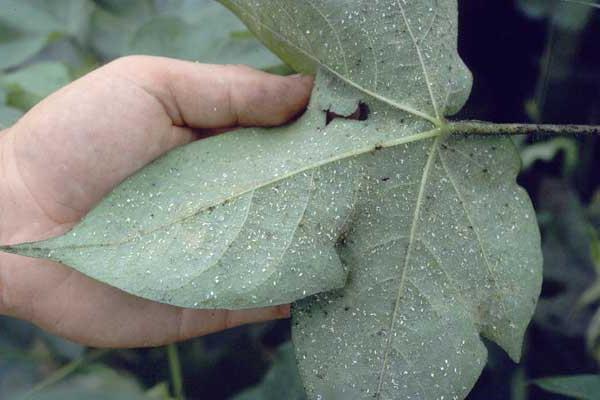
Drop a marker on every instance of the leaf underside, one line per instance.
(427, 239)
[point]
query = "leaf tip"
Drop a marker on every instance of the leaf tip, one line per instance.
(8, 249)
(26, 250)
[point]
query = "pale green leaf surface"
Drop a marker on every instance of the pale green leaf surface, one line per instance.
(582, 387)
(245, 219)
(420, 295)
(432, 238)
(469, 265)
(400, 52)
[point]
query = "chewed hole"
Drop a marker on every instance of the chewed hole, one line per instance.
(361, 114)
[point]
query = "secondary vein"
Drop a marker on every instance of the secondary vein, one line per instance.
(433, 119)
(407, 258)
(342, 156)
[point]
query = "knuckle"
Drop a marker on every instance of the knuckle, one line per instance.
(129, 63)
(239, 68)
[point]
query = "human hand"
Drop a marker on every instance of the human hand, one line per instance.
(73, 148)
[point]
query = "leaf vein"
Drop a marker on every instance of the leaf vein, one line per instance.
(433, 119)
(411, 243)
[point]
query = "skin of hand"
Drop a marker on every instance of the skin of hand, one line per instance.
(74, 147)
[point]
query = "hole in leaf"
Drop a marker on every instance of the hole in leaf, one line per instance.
(361, 114)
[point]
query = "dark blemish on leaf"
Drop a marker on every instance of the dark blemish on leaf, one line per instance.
(485, 170)
(363, 111)
(342, 240)
(385, 179)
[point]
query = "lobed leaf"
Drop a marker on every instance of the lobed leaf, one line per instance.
(428, 239)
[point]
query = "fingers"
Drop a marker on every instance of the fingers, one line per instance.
(78, 308)
(70, 150)
(216, 96)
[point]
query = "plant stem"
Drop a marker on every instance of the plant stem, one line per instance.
(488, 128)
(175, 367)
(65, 371)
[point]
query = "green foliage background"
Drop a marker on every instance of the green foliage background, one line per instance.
(532, 60)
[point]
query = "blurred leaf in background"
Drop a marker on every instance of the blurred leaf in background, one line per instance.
(25, 28)
(172, 29)
(97, 382)
(566, 24)
(281, 382)
(582, 387)
(27, 86)
(569, 268)
(8, 114)
(591, 297)
(549, 150)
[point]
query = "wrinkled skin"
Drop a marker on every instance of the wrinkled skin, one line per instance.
(68, 152)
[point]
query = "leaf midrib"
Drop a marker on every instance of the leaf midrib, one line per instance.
(433, 133)
(437, 121)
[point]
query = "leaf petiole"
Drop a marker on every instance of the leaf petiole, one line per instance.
(488, 128)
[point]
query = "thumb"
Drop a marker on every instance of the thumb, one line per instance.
(80, 142)
(210, 96)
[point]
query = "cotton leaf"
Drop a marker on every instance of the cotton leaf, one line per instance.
(427, 238)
